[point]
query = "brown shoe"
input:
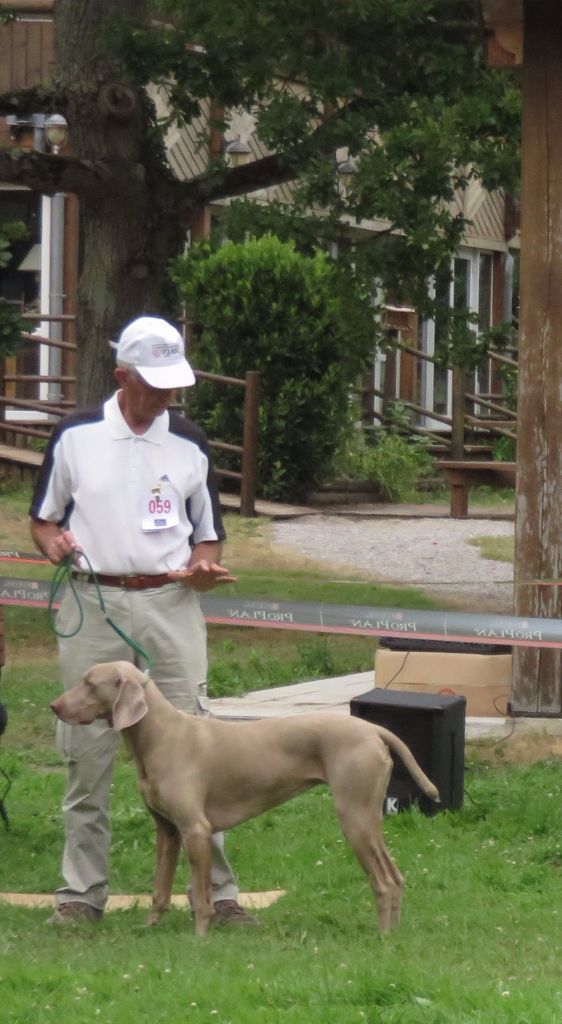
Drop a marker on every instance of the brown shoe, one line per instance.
(229, 912)
(74, 912)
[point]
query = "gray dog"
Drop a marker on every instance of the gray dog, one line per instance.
(199, 775)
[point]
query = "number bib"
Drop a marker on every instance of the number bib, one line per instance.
(159, 509)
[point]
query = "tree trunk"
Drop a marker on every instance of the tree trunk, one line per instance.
(537, 680)
(129, 229)
(116, 284)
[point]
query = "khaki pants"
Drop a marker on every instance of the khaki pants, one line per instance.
(167, 622)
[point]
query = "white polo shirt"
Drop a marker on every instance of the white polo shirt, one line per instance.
(135, 503)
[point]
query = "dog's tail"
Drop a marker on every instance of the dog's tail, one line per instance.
(405, 755)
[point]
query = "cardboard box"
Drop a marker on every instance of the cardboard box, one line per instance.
(484, 679)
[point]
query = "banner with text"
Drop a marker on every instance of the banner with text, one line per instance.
(362, 620)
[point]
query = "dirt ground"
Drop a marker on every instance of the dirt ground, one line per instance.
(525, 748)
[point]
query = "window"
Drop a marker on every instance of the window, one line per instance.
(20, 280)
(471, 287)
(33, 282)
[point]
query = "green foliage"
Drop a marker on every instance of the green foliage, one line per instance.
(11, 326)
(402, 86)
(395, 463)
(264, 306)
(505, 450)
(10, 231)
(502, 338)
(11, 322)
(243, 218)
(508, 375)
(240, 664)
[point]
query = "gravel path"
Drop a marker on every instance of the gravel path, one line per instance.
(432, 554)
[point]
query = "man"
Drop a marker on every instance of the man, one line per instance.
(130, 485)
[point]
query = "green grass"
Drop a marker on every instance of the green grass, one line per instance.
(240, 660)
(479, 938)
(500, 549)
(483, 496)
(492, 496)
(480, 935)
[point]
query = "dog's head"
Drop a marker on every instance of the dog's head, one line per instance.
(113, 690)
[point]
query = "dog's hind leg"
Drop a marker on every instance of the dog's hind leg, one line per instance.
(197, 843)
(168, 845)
(364, 834)
(358, 783)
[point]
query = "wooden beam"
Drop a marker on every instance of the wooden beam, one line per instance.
(503, 20)
(537, 681)
(28, 6)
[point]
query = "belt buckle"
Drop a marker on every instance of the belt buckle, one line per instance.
(126, 582)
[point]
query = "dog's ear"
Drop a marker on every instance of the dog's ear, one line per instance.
(130, 704)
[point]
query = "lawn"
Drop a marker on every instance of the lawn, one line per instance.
(480, 935)
(499, 549)
(479, 938)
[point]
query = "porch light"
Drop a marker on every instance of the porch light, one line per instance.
(56, 131)
(237, 152)
(346, 171)
(50, 132)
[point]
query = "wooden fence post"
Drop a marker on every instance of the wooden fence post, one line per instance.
(250, 444)
(390, 381)
(458, 412)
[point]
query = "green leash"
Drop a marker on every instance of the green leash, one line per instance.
(62, 575)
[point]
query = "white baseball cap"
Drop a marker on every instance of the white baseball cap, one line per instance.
(156, 350)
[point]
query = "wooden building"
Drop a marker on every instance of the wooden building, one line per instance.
(42, 276)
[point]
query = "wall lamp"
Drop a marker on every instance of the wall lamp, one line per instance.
(50, 132)
(237, 152)
(346, 170)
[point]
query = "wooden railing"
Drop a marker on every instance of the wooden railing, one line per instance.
(467, 430)
(20, 433)
(247, 451)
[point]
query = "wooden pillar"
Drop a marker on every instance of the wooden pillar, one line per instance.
(250, 444)
(458, 414)
(538, 527)
(390, 380)
(71, 264)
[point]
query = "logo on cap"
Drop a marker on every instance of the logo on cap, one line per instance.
(164, 350)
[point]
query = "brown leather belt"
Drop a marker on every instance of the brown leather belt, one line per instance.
(126, 582)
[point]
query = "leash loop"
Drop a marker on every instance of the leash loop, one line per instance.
(63, 575)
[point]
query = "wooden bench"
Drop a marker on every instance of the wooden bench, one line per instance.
(19, 463)
(467, 473)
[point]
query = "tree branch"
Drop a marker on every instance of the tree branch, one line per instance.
(48, 174)
(239, 181)
(276, 169)
(38, 99)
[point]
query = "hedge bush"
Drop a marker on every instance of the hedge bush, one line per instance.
(264, 306)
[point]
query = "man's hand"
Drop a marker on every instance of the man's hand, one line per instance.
(55, 543)
(203, 575)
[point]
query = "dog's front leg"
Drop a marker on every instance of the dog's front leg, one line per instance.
(197, 843)
(168, 845)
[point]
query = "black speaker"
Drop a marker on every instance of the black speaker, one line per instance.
(433, 726)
